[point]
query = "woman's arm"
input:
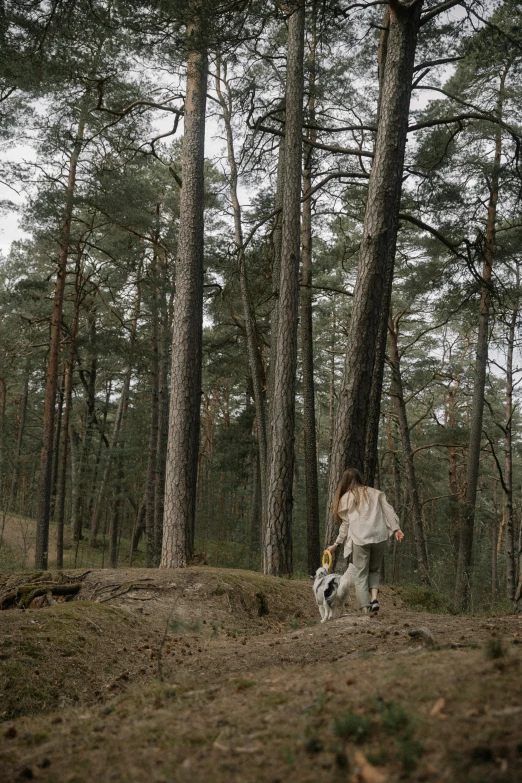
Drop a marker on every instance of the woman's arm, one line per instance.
(343, 532)
(344, 505)
(390, 517)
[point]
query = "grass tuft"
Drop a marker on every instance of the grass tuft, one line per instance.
(426, 599)
(351, 725)
(494, 649)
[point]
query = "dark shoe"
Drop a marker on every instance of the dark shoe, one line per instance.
(374, 606)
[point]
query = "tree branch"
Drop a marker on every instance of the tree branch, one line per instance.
(499, 468)
(439, 9)
(319, 145)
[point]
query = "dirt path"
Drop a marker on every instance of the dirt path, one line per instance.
(249, 698)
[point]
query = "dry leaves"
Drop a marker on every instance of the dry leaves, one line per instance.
(366, 772)
(437, 709)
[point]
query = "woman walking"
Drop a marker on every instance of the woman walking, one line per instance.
(366, 522)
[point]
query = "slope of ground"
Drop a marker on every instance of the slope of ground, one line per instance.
(205, 687)
(111, 635)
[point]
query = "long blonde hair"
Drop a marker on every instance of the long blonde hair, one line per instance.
(351, 481)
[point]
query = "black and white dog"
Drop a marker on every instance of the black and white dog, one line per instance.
(332, 591)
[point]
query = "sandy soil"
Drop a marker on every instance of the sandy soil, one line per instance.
(182, 679)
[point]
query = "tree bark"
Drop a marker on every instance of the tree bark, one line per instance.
(307, 338)
(255, 519)
(79, 502)
(400, 405)
(467, 522)
(13, 490)
(68, 378)
(455, 494)
(517, 608)
(277, 233)
(115, 520)
(150, 518)
(3, 400)
(185, 399)
(46, 458)
(163, 416)
(374, 410)
(57, 443)
(508, 471)
(277, 548)
(138, 530)
(376, 256)
(118, 421)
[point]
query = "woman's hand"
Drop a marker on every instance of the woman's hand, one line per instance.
(399, 536)
(332, 548)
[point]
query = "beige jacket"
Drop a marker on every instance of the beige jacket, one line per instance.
(374, 520)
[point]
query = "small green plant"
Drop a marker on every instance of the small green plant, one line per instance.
(293, 623)
(401, 724)
(426, 599)
(379, 757)
(351, 725)
(177, 626)
(494, 648)
(395, 718)
(409, 751)
(313, 745)
(317, 705)
(243, 685)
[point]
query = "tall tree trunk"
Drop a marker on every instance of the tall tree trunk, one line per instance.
(185, 398)
(393, 456)
(68, 378)
(115, 519)
(253, 351)
(3, 399)
(374, 409)
(277, 549)
(455, 494)
(508, 471)
(138, 530)
(82, 483)
(467, 523)
(57, 443)
(377, 251)
(163, 416)
(400, 405)
(307, 339)
(255, 520)
(150, 519)
(277, 234)
(13, 491)
(46, 458)
(118, 421)
(494, 558)
(517, 608)
(331, 385)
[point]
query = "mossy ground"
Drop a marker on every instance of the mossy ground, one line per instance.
(186, 681)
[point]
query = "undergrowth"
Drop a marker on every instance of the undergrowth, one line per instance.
(426, 599)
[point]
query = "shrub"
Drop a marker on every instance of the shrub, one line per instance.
(426, 599)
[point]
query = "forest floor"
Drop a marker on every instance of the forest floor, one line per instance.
(215, 674)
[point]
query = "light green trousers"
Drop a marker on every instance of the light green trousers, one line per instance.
(367, 560)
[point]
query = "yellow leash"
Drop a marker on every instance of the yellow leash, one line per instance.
(327, 559)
